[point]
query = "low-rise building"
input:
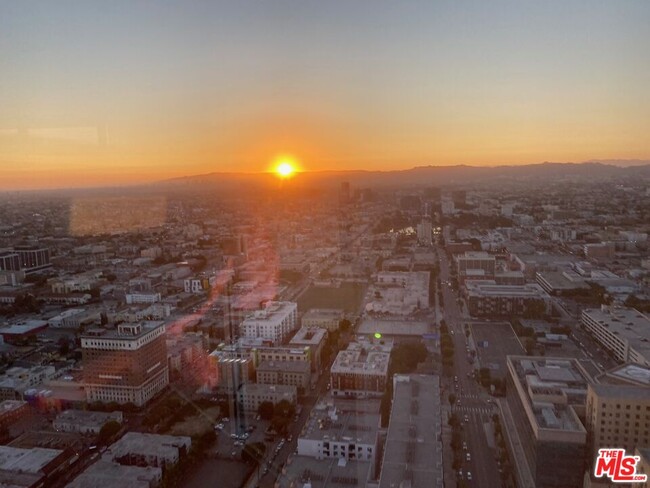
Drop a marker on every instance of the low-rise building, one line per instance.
(413, 449)
(136, 448)
(251, 395)
(142, 297)
(314, 338)
(486, 298)
(625, 332)
(107, 474)
(294, 373)
(84, 421)
(12, 411)
(362, 369)
(276, 322)
(17, 380)
(326, 318)
(28, 468)
(341, 430)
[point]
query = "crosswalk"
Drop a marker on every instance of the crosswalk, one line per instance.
(473, 409)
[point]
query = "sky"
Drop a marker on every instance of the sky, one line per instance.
(119, 92)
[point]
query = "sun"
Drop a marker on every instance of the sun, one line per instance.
(285, 168)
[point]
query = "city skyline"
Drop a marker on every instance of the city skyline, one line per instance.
(98, 94)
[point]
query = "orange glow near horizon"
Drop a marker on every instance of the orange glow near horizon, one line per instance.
(285, 167)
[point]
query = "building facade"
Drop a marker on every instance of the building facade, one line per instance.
(127, 364)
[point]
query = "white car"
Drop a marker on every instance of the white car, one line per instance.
(469, 475)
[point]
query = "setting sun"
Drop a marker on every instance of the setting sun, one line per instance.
(285, 169)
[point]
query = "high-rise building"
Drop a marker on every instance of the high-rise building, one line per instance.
(618, 416)
(545, 397)
(9, 261)
(425, 232)
(127, 364)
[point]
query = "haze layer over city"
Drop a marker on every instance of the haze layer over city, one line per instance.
(324, 244)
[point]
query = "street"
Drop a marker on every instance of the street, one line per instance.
(471, 399)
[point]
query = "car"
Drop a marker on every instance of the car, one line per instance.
(464, 446)
(225, 419)
(466, 418)
(233, 436)
(460, 474)
(469, 475)
(258, 418)
(290, 438)
(456, 378)
(468, 457)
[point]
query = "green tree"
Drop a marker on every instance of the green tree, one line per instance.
(285, 409)
(345, 325)
(254, 453)
(108, 431)
(266, 410)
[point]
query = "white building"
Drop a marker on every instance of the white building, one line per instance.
(425, 232)
(341, 430)
(623, 331)
(142, 297)
(276, 322)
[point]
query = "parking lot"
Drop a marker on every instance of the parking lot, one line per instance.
(494, 341)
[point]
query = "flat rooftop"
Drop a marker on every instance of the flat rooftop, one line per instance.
(627, 323)
(624, 392)
(87, 417)
(325, 473)
(311, 336)
(413, 450)
(551, 386)
(26, 460)
(489, 288)
(340, 421)
(127, 331)
(107, 474)
(323, 313)
(285, 366)
(396, 327)
(148, 444)
(634, 374)
(10, 405)
(367, 357)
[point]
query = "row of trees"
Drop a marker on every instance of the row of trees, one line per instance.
(405, 358)
(279, 414)
(446, 346)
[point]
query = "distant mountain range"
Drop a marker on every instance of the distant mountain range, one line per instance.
(424, 175)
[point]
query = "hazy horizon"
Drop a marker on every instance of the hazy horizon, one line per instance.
(121, 93)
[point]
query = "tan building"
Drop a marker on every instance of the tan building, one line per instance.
(314, 338)
(125, 365)
(294, 373)
(327, 318)
(618, 416)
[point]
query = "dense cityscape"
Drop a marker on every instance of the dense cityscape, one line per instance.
(423, 335)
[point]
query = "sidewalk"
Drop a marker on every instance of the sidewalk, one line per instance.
(447, 453)
(524, 476)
